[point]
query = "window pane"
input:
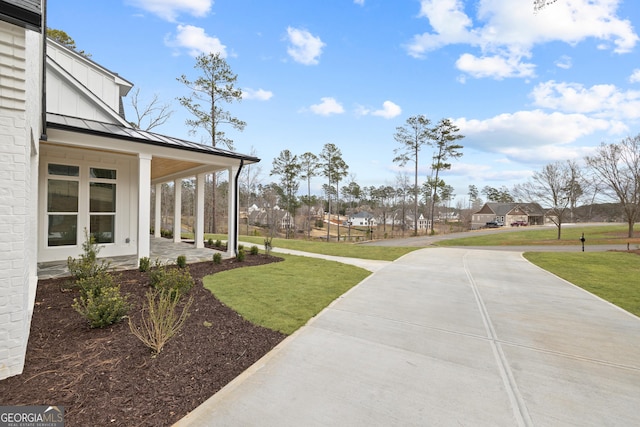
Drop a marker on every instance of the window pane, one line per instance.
(62, 230)
(102, 228)
(64, 170)
(102, 197)
(62, 196)
(103, 173)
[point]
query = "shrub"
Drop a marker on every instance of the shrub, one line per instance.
(181, 261)
(100, 301)
(253, 250)
(240, 247)
(175, 281)
(267, 245)
(145, 264)
(240, 256)
(160, 320)
(88, 265)
(218, 243)
(217, 258)
(210, 241)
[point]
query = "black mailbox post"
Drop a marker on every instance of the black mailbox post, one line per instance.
(582, 239)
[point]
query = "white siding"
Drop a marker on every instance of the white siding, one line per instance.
(19, 134)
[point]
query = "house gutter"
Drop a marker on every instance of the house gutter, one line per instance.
(236, 206)
(43, 106)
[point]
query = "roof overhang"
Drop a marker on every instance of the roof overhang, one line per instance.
(25, 13)
(172, 158)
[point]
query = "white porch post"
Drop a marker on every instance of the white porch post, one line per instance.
(199, 231)
(144, 204)
(177, 210)
(232, 234)
(158, 208)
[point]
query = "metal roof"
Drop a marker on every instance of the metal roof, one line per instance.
(110, 130)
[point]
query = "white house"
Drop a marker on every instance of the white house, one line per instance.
(362, 219)
(80, 166)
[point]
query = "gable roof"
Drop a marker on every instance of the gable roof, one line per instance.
(25, 13)
(110, 130)
(504, 209)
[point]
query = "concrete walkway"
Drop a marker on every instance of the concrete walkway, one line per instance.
(441, 337)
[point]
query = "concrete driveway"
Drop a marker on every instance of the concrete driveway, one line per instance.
(447, 336)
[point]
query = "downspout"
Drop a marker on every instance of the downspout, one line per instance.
(43, 112)
(236, 206)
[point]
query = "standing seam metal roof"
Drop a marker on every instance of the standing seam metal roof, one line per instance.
(110, 130)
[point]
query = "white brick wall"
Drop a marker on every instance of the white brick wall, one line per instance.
(19, 134)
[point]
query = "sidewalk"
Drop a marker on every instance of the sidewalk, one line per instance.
(446, 337)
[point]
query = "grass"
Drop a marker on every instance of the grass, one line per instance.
(349, 250)
(283, 296)
(596, 235)
(612, 276)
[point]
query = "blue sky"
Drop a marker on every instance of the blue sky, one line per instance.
(525, 88)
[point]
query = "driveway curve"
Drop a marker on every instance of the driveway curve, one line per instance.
(447, 336)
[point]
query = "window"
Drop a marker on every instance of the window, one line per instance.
(62, 205)
(102, 204)
(69, 195)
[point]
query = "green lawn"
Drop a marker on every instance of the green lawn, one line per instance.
(596, 235)
(283, 296)
(613, 276)
(349, 250)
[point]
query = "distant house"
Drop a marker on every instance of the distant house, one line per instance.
(362, 219)
(507, 214)
(423, 223)
(71, 162)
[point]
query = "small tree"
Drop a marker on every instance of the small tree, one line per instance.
(287, 167)
(618, 168)
(309, 167)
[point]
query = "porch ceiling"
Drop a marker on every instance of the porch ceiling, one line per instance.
(161, 167)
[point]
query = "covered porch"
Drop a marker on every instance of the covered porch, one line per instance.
(164, 250)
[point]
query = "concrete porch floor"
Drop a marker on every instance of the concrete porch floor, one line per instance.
(164, 250)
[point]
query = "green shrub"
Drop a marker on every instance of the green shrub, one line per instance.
(210, 241)
(181, 261)
(87, 265)
(145, 264)
(160, 320)
(217, 258)
(218, 243)
(254, 250)
(240, 247)
(240, 256)
(175, 281)
(100, 301)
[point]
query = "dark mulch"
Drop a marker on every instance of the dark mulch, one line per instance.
(108, 377)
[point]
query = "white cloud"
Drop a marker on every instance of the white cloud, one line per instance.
(497, 67)
(170, 9)
(602, 101)
(196, 41)
(327, 107)
(635, 76)
(509, 30)
(260, 94)
(564, 62)
(389, 110)
(529, 131)
(304, 47)
(359, 2)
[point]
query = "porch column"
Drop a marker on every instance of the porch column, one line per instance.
(144, 204)
(234, 213)
(158, 215)
(199, 231)
(177, 210)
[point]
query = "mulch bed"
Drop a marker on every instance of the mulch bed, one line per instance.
(108, 377)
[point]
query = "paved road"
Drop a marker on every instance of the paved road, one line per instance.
(447, 336)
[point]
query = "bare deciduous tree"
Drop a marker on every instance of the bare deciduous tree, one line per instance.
(151, 114)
